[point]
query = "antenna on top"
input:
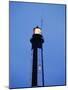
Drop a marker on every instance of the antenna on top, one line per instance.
(41, 23)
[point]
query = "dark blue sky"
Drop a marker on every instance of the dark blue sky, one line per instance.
(23, 18)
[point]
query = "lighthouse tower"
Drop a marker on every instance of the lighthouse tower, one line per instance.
(37, 62)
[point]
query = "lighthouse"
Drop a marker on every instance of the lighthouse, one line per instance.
(37, 57)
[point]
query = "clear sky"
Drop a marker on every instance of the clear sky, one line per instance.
(23, 18)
